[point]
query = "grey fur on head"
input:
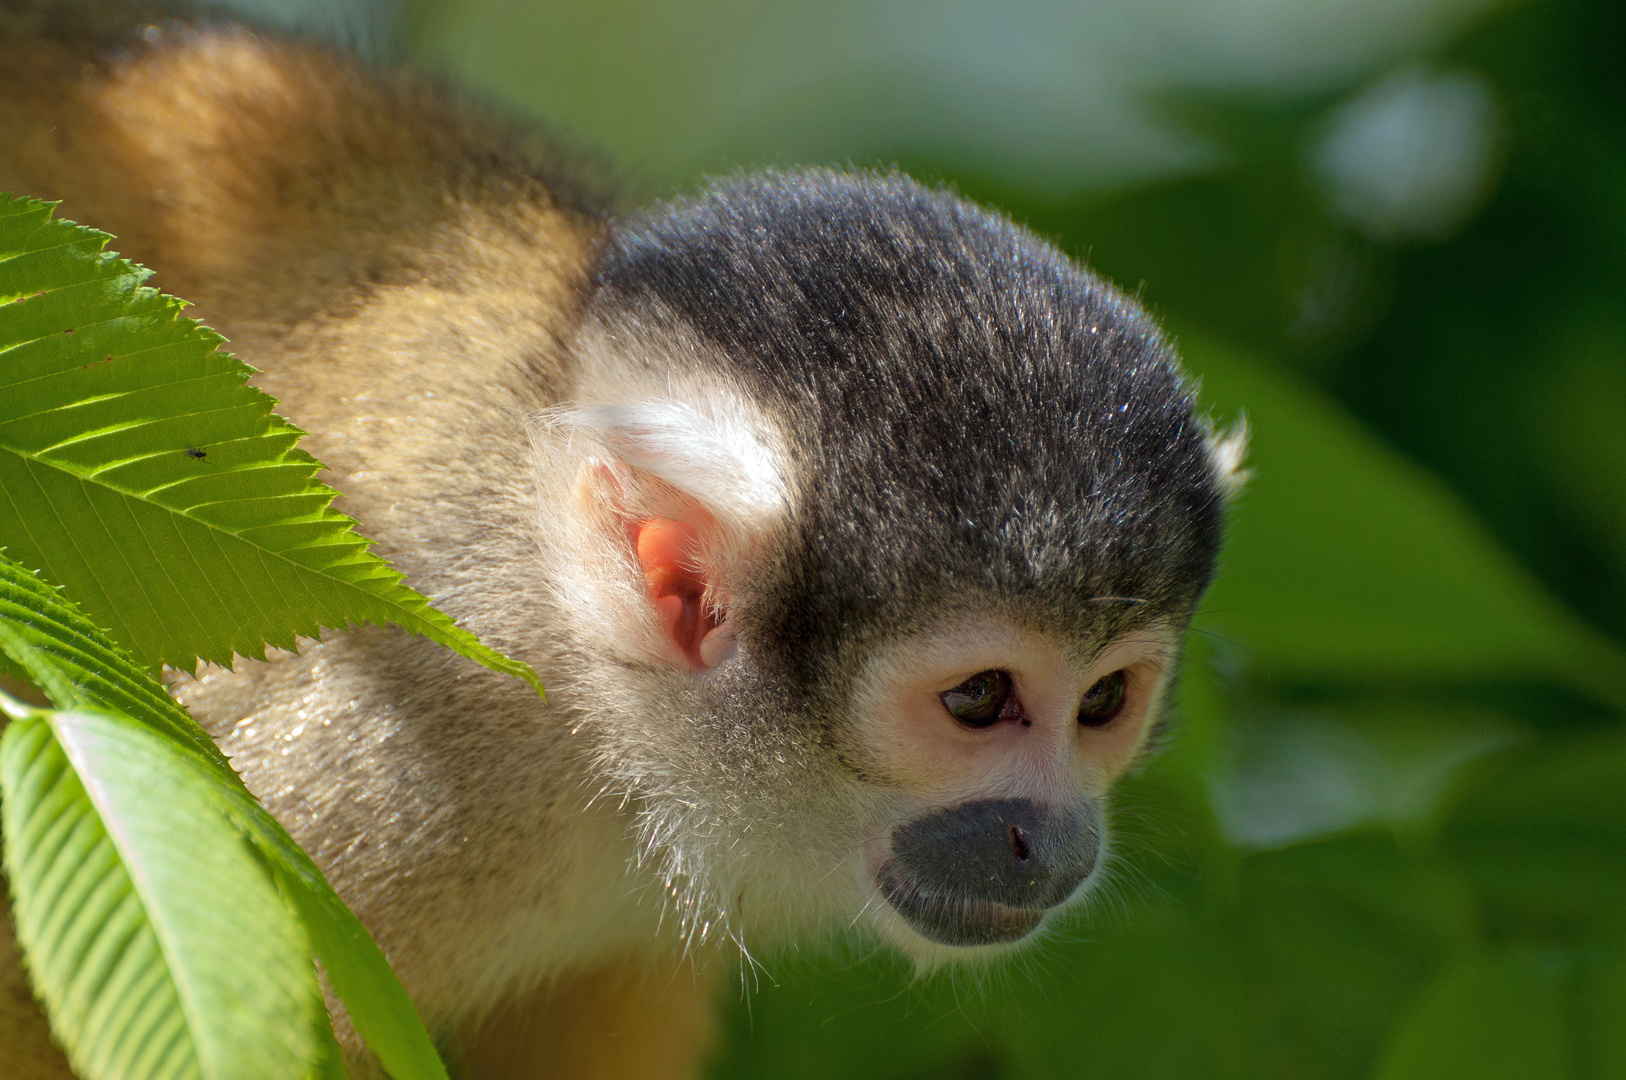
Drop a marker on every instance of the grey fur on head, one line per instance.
(1026, 432)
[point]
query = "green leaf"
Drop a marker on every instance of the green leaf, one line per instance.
(1497, 1019)
(157, 940)
(33, 667)
(1339, 936)
(75, 663)
(1293, 774)
(859, 1020)
(1345, 562)
(373, 997)
(1542, 834)
(1163, 998)
(330, 1056)
(141, 471)
(1602, 1037)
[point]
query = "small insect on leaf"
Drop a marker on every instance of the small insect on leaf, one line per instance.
(195, 452)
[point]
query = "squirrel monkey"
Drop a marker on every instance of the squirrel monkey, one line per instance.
(852, 528)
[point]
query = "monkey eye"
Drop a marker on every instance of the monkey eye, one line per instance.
(1103, 701)
(980, 700)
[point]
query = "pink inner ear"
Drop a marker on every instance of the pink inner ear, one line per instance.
(665, 551)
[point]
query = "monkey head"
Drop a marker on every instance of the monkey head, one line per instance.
(888, 519)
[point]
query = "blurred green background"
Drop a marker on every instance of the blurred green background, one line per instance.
(1389, 841)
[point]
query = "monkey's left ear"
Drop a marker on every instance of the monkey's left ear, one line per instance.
(697, 493)
(1227, 449)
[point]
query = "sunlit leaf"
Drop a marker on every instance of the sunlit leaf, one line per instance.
(53, 643)
(373, 997)
(156, 939)
(139, 469)
(59, 643)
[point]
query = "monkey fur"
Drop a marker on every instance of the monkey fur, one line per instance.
(759, 480)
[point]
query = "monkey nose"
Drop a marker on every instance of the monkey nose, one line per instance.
(1014, 852)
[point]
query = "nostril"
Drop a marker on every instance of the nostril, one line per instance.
(1016, 852)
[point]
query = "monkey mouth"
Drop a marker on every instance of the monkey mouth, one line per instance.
(954, 920)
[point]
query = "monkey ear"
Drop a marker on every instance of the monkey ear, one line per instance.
(668, 554)
(695, 494)
(1227, 450)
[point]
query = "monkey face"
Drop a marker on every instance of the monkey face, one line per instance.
(1007, 768)
(950, 794)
